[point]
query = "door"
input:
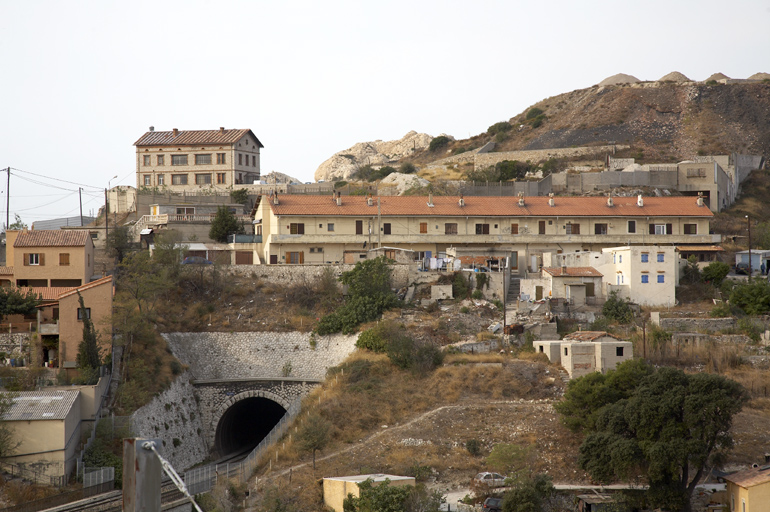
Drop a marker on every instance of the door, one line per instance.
(359, 227)
(538, 292)
(244, 258)
(274, 259)
(541, 227)
(386, 228)
(590, 289)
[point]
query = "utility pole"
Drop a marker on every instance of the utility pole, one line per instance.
(8, 199)
(379, 223)
(106, 217)
(80, 197)
(748, 222)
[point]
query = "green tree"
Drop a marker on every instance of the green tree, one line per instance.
(169, 252)
(119, 242)
(691, 272)
(753, 298)
(438, 142)
(240, 195)
(715, 272)
(389, 498)
(530, 495)
(617, 309)
(8, 442)
(224, 224)
(14, 301)
(668, 429)
(314, 434)
(88, 359)
(17, 224)
(407, 168)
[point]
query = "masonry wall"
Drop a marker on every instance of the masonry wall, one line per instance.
(288, 275)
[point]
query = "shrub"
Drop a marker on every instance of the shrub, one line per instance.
(460, 286)
(715, 272)
(617, 309)
(477, 294)
(407, 168)
(376, 339)
(240, 196)
(473, 446)
(438, 142)
(176, 367)
(498, 128)
(534, 113)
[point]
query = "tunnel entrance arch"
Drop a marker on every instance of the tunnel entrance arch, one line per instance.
(244, 420)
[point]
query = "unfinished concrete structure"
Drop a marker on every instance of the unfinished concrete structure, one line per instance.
(584, 352)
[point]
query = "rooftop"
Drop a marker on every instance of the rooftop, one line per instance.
(376, 477)
(52, 238)
(572, 271)
(194, 137)
(587, 336)
(750, 477)
(41, 405)
(479, 206)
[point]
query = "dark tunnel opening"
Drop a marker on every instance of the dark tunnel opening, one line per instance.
(246, 423)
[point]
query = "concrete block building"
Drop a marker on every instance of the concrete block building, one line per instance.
(584, 352)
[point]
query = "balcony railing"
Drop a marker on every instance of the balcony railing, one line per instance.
(149, 220)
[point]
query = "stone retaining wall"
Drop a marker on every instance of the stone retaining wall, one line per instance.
(15, 346)
(288, 275)
(484, 160)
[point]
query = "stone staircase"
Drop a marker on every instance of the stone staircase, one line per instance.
(514, 288)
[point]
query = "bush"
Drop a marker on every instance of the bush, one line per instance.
(500, 127)
(408, 354)
(460, 286)
(377, 338)
(407, 168)
(533, 113)
(715, 272)
(240, 196)
(617, 309)
(438, 142)
(473, 446)
(753, 298)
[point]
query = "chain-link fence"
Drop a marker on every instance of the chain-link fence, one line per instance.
(98, 476)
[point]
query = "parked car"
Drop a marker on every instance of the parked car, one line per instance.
(742, 268)
(490, 479)
(492, 505)
(196, 260)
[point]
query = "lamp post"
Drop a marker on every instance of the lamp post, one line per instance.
(748, 223)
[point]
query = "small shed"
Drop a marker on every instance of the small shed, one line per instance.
(336, 489)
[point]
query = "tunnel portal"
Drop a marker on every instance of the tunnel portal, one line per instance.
(246, 423)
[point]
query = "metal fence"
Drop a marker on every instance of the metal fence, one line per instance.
(204, 479)
(31, 475)
(98, 476)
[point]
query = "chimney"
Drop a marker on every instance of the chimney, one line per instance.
(700, 199)
(176, 132)
(369, 201)
(339, 198)
(430, 200)
(609, 200)
(550, 199)
(462, 201)
(221, 129)
(639, 200)
(152, 128)
(521, 198)
(275, 197)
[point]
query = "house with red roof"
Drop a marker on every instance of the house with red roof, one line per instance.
(181, 160)
(341, 229)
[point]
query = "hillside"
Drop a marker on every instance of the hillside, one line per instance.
(661, 121)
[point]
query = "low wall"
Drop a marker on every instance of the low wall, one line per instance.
(401, 274)
(698, 324)
(484, 160)
(578, 183)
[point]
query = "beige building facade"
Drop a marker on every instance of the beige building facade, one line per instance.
(749, 490)
(55, 258)
(335, 490)
(192, 160)
(324, 229)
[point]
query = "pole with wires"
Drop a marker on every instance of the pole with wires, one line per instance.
(8, 199)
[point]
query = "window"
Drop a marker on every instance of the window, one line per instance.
(661, 257)
(202, 159)
(146, 161)
(620, 258)
(450, 228)
(661, 278)
(482, 229)
(573, 229)
(81, 312)
(253, 160)
(566, 351)
(221, 159)
(161, 160)
(386, 228)
(619, 351)
(359, 227)
(645, 278)
(690, 229)
(94, 236)
(34, 259)
(297, 228)
(295, 257)
(515, 260)
(645, 257)
(178, 159)
(147, 180)
(203, 179)
(423, 227)
(514, 229)
(632, 226)
(696, 173)
(541, 227)
(600, 229)
(64, 259)
(179, 179)
(221, 178)
(330, 226)
(240, 159)
(161, 180)
(661, 229)
(185, 210)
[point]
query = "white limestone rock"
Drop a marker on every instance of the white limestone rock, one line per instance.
(404, 182)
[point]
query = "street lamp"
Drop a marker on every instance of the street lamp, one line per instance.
(748, 223)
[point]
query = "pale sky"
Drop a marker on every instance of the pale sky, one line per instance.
(83, 80)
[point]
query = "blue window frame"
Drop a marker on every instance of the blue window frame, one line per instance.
(661, 278)
(660, 257)
(645, 257)
(645, 278)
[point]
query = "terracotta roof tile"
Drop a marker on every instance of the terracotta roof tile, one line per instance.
(750, 477)
(92, 284)
(48, 293)
(572, 271)
(476, 206)
(193, 137)
(52, 238)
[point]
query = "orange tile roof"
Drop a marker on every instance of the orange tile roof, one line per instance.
(586, 335)
(572, 271)
(193, 137)
(48, 293)
(52, 238)
(476, 206)
(750, 477)
(92, 284)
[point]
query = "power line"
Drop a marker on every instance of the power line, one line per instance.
(57, 179)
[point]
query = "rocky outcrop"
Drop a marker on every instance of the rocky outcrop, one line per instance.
(376, 153)
(274, 177)
(620, 78)
(674, 76)
(403, 182)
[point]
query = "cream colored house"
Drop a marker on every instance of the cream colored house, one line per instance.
(55, 258)
(644, 274)
(584, 352)
(749, 490)
(47, 426)
(324, 229)
(576, 284)
(335, 490)
(191, 160)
